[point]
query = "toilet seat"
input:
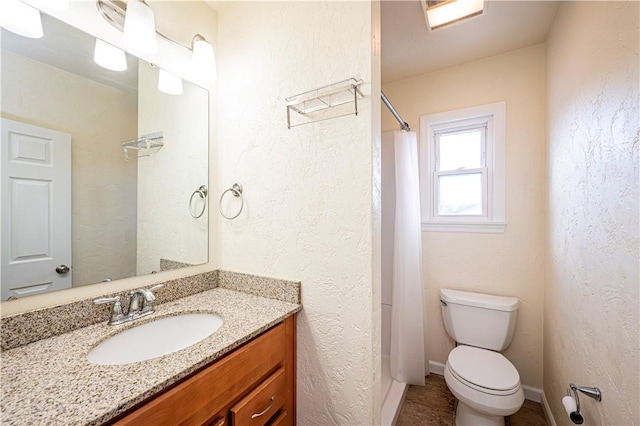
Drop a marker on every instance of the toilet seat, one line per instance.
(492, 403)
(483, 370)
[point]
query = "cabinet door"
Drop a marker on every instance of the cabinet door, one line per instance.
(263, 403)
(197, 400)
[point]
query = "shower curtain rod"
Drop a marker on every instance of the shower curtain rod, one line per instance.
(403, 124)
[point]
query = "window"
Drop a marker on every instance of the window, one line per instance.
(462, 169)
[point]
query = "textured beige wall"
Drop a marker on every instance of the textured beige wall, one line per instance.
(309, 213)
(98, 118)
(504, 264)
(591, 321)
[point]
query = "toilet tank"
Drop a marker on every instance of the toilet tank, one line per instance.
(477, 319)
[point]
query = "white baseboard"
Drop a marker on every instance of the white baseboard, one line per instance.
(532, 394)
(436, 368)
(547, 410)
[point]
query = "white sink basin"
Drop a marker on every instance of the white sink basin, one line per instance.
(154, 339)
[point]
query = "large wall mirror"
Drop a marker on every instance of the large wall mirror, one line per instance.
(78, 207)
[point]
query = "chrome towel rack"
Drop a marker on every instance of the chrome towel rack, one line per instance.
(202, 191)
(236, 191)
(312, 105)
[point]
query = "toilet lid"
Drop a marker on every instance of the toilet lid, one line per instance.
(483, 368)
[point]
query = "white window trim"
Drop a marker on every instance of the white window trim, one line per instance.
(495, 220)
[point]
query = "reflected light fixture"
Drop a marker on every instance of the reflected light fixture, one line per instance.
(140, 27)
(203, 59)
(109, 57)
(20, 18)
(169, 83)
(444, 12)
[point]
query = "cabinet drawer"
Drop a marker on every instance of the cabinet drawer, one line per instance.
(263, 402)
(281, 420)
(196, 400)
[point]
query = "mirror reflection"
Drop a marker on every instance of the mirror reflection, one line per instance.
(104, 176)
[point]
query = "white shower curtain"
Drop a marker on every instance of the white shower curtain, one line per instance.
(407, 333)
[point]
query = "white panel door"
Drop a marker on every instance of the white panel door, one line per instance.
(35, 210)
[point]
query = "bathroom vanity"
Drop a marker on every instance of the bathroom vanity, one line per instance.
(243, 373)
(253, 385)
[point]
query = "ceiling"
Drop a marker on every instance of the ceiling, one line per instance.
(410, 49)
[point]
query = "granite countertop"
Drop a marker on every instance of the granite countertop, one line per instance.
(50, 381)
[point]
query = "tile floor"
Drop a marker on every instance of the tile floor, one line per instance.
(432, 405)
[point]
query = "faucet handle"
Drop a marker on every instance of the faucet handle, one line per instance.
(103, 300)
(152, 291)
(156, 287)
(116, 311)
(147, 299)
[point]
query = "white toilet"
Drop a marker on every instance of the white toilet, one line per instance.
(485, 383)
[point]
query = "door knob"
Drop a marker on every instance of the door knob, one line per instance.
(62, 269)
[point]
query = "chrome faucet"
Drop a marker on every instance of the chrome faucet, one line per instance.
(141, 305)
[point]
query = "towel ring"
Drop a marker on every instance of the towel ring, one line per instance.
(236, 190)
(202, 192)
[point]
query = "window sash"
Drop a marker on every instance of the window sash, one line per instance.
(482, 126)
(436, 192)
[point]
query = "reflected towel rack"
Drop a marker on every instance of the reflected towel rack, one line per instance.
(313, 104)
(202, 192)
(145, 145)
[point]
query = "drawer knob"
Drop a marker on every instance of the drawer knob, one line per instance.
(256, 415)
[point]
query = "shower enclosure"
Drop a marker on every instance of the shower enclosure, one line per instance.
(403, 360)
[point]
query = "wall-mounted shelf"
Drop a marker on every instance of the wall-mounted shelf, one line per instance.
(332, 101)
(145, 145)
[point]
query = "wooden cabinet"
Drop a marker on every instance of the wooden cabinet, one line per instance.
(253, 385)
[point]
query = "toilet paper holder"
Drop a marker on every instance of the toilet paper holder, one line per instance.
(591, 392)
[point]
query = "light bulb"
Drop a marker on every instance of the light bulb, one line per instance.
(203, 59)
(20, 18)
(140, 27)
(109, 57)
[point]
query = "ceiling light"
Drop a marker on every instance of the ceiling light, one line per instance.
(109, 57)
(169, 83)
(21, 19)
(140, 27)
(443, 12)
(203, 59)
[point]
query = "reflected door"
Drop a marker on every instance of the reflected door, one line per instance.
(36, 210)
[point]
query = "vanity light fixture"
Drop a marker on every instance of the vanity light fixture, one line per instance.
(203, 59)
(169, 83)
(140, 27)
(109, 57)
(21, 19)
(444, 12)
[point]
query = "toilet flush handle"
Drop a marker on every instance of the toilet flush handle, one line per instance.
(443, 302)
